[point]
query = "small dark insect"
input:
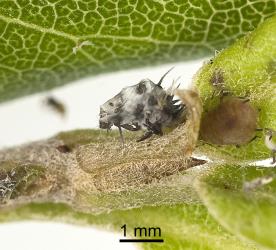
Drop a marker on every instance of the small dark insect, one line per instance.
(63, 149)
(217, 81)
(232, 122)
(55, 105)
(145, 105)
(217, 78)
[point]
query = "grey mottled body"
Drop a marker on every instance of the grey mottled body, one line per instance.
(145, 105)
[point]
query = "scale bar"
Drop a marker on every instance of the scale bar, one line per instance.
(141, 240)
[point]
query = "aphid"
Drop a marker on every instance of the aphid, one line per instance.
(145, 105)
(256, 183)
(80, 45)
(232, 122)
(217, 81)
(270, 142)
(55, 105)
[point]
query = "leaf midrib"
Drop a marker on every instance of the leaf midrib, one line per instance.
(76, 39)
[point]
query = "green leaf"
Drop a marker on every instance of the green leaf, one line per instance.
(37, 37)
(246, 69)
(182, 226)
(246, 212)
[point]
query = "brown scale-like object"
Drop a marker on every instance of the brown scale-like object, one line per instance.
(232, 122)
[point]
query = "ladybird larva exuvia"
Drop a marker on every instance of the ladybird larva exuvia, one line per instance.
(140, 163)
(143, 106)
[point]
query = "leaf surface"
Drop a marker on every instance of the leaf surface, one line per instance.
(37, 37)
(248, 213)
(182, 226)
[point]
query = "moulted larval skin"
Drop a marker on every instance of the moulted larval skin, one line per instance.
(41, 41)
(97, 174)
(145, 105)
(141, 166)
